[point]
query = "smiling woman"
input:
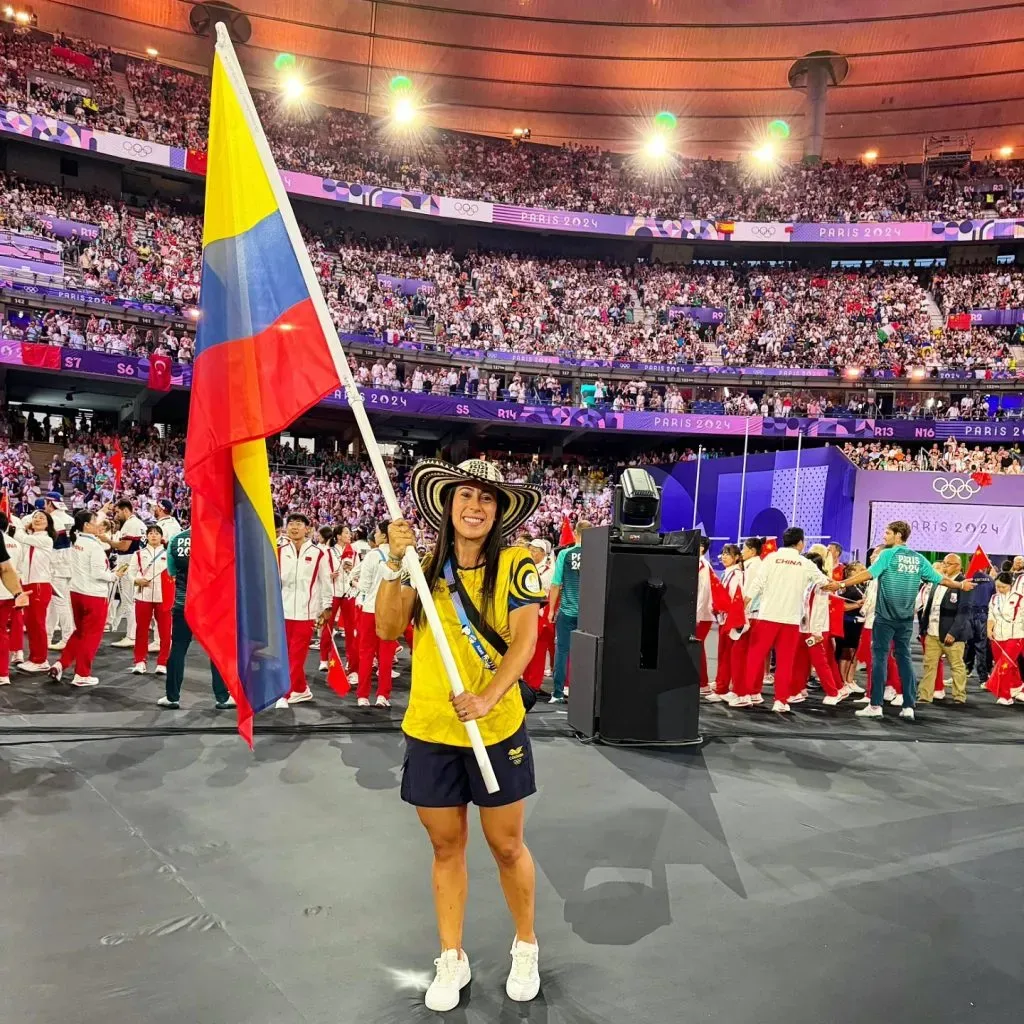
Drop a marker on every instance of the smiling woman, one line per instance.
(487, 597)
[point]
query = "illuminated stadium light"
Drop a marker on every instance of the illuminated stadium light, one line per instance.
(22, 17)
(779, 129)
(852, 372)
(293, 87)
(656, 147)
(1006, 152)
(871, 156)
(8, 11)
(152, 51)
(403, 112)
(283, 61)
(520, 133)
(766, 154)
(918, 373)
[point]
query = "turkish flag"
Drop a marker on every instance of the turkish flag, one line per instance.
(160, 373)
(979, 563)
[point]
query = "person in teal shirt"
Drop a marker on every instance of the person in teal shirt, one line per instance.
(179, 552)
(900, 573)
(564, 603)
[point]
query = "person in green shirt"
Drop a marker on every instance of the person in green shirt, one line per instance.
(179, 552)
(900, 573)
(564, 602)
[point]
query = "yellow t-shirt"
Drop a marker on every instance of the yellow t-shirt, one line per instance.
(430, 716)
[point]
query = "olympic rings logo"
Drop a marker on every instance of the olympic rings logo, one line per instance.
(136, 148)
(469, 209)
(953, 487)
(763, 230)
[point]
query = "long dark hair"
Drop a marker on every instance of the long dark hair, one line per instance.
(82, 516)
(49, 531)
(433, 569)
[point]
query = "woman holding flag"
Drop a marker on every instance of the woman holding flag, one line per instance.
(154, 596)
(1006, 635)
(487, 596)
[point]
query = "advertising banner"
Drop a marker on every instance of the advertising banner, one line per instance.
(953, 525)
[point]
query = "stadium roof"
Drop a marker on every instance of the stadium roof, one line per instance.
(596, 71)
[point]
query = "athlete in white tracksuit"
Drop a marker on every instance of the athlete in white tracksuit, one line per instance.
(58, 616)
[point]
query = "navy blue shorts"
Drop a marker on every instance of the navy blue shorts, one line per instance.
(437, 775)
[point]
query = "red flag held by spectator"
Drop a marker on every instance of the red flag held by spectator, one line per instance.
(567, 537)
(337, 679)
(117, 463)
(980, 562)
(159, 373)
(982, 479)
(959, 322)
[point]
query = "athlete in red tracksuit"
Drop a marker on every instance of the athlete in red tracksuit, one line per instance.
(533, 674)
(780, 588)
(732, 580)
(306, 593)
(154, 597)
(705, 615)
(35, 535)
(1006, 635)
(812, 651)
(339, 582)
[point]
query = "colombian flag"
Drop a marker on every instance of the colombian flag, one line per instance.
(262, 359)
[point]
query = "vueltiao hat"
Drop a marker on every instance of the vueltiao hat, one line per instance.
(431, 478)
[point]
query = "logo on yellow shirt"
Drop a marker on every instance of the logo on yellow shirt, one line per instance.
(517, 755)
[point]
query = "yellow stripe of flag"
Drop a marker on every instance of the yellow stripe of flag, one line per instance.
(253, 475)
(234, 172)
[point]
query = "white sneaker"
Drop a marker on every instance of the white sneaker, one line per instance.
(730, 698)
(781, 707)
(715, 698)
(908, 714)
(897, 701)
(6, 681)
(353, 679)
(33, 666)
(17, 657)
(161, 670)
(322, 667)
(59, 645)
(140, 669)
(85, 681)
(363, 702)
(1005, 701)
(871, 711)
(524, 978)
(300, 697)
(863, 700)
(1019, 696)
(166, 702)
(831, 702)
(123, 642)
(939, 695)
(282, 704)
(798, 698)
(756, 698)
(154, 647)
(741, 702)
(889, 694)
(56, 671)
(383, 702)
(855, 688)
(93, 680)
(768, 682)
(452, 976)
(705, 690)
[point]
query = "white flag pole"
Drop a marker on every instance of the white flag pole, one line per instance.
(796, 475)
(355, 400)
(743, 478)
(696, 486)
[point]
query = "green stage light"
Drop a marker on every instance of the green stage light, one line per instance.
(283, 61)
(665, 121)
(778, 130)
(400, 83)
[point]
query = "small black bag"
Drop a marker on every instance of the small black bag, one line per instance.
(493, 637)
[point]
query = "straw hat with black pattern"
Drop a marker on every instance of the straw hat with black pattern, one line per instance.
(431, 478)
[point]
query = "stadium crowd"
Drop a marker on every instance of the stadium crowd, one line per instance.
(950, 457)
(485, 301)
(172, 108)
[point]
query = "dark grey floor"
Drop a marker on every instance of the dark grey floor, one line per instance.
(177, 877)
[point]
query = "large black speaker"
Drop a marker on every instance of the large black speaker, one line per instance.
(635, 661)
